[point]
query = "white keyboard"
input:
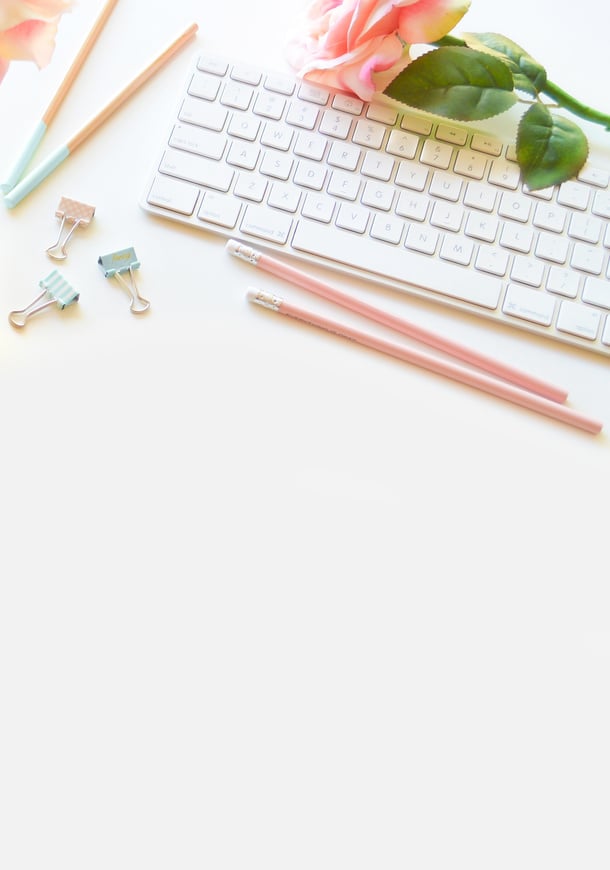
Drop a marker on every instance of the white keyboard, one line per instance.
(403, 199)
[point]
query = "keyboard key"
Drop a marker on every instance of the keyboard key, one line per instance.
(236, 96)
(247, 74)
(243, 154)
(480, 196)
(347, 103)
(378, 195)
(527, 304)
(387, 228)
(198, 141)
(200, 170)
(402, 144)
(310, 174)
(209, 115)
(384, 114)
(302, 115)
(269, 106)
(587, 258)
(310, 145)
(422, 239)
(412, 205)
(369, 133)
(277, 165)
(335, 124)
(601, 204)
(470, 164)
(486, 144)
(504, 174)
(492, 260)
(416, 125)
(344, 185)
(266, 223)
(284, 196)
(205, 87)
(318, 208)
(313, 94)
(437, 154)
(219, 209)
(552, 248)
(594, 175)
(457, 249)
(344, 156)
(453, 135)
(251, 187)
(483, 227)
(216, 65)
(446, 186)
(377, 165)
(585, 228)
(550, 217)
(278, 136)
(526, 270)
(574, 195)
(280, 84)
(173, 195)
(578, 320)
(412, 175)
(565, 282)
(352, 218)
(516, 237)
(398, 263)
(447, 216)
(597, 292)
(514, 206)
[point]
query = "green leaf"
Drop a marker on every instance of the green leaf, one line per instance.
(528, 74)
(455, 82)
(550, 148)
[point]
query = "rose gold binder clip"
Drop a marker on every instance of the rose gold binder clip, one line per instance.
(79, 214)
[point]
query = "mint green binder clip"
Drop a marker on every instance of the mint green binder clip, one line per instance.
(120, 263)
(55, 291)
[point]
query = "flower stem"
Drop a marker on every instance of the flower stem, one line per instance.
(557, 94)
(574, 106)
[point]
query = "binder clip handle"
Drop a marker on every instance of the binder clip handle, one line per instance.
(137, 302)
(118, 264)
(19, 318)
(79, 214)
(55, 291)
(58, 249)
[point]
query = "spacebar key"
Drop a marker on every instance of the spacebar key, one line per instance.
(397, 264)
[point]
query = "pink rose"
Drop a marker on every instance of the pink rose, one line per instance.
(27, 30)
(361, 45)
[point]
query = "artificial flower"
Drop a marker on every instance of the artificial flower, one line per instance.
(28, 29)
(365, 47)
(361, 45)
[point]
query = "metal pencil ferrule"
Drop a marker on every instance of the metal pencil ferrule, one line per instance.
(264, 298)
(244, 252)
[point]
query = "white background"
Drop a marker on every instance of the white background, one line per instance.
(269, 599)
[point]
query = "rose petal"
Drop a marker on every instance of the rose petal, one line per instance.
(429, 20)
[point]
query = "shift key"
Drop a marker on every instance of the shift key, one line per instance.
(200, 170)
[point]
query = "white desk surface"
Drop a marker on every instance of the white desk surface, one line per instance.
(269, 599)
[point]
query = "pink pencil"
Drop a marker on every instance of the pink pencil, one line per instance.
(459, 351)
(426, 361)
